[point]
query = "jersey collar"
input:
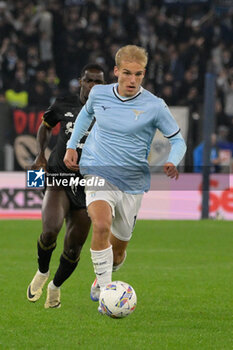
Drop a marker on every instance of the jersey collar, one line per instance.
(124, 99)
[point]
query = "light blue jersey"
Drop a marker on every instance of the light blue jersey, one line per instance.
(119, 143)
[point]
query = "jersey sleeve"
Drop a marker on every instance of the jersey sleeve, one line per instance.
(52, 116)
(165, 121)
(81, 125)
(178, 149)
(83, 121)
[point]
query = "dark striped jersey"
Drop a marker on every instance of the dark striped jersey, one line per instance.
(64, 111)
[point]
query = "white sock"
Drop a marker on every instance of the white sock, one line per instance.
(102, 262)
(52, 286)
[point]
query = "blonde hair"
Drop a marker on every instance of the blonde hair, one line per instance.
(131, 53)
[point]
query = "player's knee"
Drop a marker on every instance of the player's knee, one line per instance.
(73, 254)
(101, 227)
(49, 237)
(51, 227)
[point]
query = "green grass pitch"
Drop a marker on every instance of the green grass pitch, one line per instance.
(182, 274)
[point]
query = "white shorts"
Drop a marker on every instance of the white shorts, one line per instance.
(125, 207)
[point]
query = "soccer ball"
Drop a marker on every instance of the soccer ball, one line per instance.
(118, 299)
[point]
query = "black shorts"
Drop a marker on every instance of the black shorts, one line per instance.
(76, 197)
(75, 194)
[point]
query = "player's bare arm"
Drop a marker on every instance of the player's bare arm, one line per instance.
(171, 170)
(43, 137)
(71, 159)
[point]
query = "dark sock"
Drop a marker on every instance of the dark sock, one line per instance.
(65, 269)
(44, 255)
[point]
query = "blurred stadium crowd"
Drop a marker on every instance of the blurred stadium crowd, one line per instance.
(44, 45)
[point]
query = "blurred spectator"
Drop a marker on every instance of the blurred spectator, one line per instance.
(225, 145)
(178, 41)
(176, 65)
(51, 79)
(38, 95)
(28, 35)
(214, 156)
(46, 53)
(73, 87)
(189, 82)
(4, 23)
(44, 44)
(33, 61)
(168, 95)
(228, 97)
(220, 116)
(44, 19)
(17, 95)
(9, 62)
(39, 91)
(6, 127)
(225, 148)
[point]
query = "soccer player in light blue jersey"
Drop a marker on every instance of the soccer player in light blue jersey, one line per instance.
(116, 150)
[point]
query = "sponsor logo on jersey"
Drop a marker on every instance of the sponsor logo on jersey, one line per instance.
(104, 108)
(69, 114)
(137, 113)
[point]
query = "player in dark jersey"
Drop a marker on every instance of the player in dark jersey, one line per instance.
(61, 203)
